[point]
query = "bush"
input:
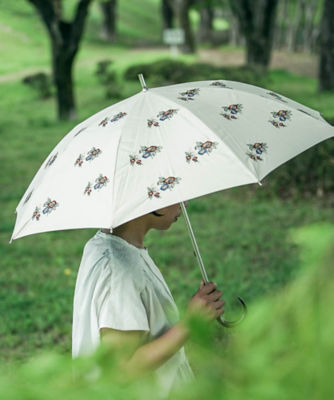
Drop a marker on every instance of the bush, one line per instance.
(310, 174)
(165, 72)
(108, 79)
(41, 82)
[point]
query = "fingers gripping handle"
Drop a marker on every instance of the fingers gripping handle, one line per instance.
(221, 320)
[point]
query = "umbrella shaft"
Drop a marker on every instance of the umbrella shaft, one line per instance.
(193, 240)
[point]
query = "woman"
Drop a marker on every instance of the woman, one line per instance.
(121, 297)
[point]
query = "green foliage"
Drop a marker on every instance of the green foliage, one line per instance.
(108, 79)
(283, 350)
(310, 174)
(41, 82)
(167, 71)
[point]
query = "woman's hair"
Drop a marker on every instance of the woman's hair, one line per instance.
(157, 214)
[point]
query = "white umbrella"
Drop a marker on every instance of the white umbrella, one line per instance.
(163, 146)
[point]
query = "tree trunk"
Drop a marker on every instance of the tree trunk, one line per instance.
(326, 69)
(310, 11)
(257, 21)
(167, 15)
(295, 27)
(235, 36)
(206, 24)
(181, 11)
(280, 36)
(62, 72)
(65, 39)
(108, 30)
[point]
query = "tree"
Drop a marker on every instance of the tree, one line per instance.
(109, 13)
(65, 39)
(167, 14)
(181, 12)
(298, 23)
(326, 67)
(257, 21)
(206, 12)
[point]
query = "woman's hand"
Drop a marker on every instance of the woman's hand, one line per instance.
(206, 302)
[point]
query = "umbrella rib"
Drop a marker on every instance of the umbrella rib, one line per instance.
(126, 123)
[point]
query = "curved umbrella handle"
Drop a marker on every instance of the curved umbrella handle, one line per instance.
(231, 324)
(221, 320)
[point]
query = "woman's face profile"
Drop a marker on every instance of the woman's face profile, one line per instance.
(169, 214)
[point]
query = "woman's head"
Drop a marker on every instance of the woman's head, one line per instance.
(160, 219)
(163, 218)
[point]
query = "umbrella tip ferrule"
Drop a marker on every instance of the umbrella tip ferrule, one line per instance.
(259, 183)
(142, 82)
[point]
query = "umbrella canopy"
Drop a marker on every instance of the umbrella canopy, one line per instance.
(163, 146)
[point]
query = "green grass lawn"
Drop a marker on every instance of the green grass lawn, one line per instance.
(244, 237)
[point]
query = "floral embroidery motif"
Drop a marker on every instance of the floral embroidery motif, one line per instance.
(206, 147)
(93, 153)
(150, 151)
(256, 150)
(203, 148)
(134, 159)
(231, 111)
(152, 122)
(282, 116)
(100, 182)
(162, 116)
(104, 122)
(277, 96)
(28, 197)
(79, 161)
(81, 130)
(51, 160)
(36, 215)
(189, 94)
(190, 156)
(152, 192)
(147, 152)
(115, 118)
(220, 84)
(118, 116)
(88, 189)
(49, 205)
(168, 183)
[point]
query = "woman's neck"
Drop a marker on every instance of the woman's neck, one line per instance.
(133, 232)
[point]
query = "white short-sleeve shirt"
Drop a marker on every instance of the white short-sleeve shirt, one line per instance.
(119, 286)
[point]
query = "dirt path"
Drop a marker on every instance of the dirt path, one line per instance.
(298, 63)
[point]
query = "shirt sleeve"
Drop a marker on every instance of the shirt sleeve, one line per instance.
(123, 307)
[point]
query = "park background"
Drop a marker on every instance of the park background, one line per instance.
(247, 235)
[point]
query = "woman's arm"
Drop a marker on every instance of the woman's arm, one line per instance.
(148, 356)
(155, 353)
(140, 358)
